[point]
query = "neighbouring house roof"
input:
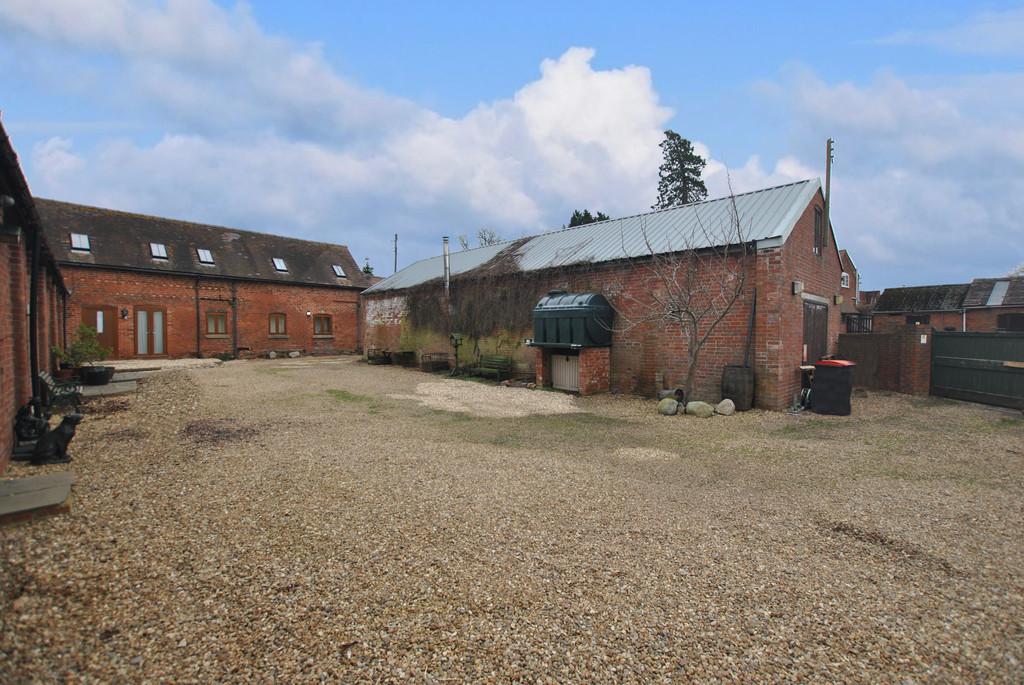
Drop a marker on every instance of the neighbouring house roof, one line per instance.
(767, 216)
(923, 298)
(996, 292)
(122, 240)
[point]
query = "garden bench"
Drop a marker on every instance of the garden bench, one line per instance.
(494, 365)
(57, 393)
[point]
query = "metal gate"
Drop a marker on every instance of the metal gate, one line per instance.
(565, 371)
(979, 367)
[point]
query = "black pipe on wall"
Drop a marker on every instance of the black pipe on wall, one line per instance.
(33, 323)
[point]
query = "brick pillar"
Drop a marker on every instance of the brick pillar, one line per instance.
(916, 361)
(543, 367)
(595, 370)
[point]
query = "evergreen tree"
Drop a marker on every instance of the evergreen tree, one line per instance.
(679, 181)
(367, 269)
(581, 217)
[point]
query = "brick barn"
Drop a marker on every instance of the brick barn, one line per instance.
(156, 287)
(794, 268)
(21, 239)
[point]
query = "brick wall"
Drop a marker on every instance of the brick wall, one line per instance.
(641, 354)
(176, 296)
(595, 370)
(899, 360)
(985, 320)
(940, 321)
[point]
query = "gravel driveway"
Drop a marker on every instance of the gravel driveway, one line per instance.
(319, 519)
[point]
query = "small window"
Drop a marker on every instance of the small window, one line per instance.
(819, 231)
(844, 280)
(279, 264)
(80, 242)
(158, 250)
(338, 271)
(1010, 322)
(216, 323)
(322, 324)
(919, 319)
(205, 256)
(277, 324)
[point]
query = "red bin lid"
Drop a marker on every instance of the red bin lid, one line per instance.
(835, 362)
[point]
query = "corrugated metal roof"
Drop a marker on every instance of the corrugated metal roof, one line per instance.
(767, 216)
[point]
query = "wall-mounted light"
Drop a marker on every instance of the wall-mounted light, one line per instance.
(798, 287)
(839, 299)
(309, 313)
(124, 314)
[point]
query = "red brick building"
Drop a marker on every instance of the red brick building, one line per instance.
(23, 252)
(155, 287)
(985, 305)
(794, 269)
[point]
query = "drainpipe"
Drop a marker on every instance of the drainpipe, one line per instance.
(963, 325)
(234, 318)
(199, 349)
(33, 323)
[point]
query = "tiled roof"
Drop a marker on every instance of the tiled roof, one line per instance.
(923, 298)
(122, 240)
(767, 216)
(996, 292)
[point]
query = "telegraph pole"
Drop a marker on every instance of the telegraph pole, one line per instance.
(829, 155)
(395, 271)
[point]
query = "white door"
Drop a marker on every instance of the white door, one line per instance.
(565, 371)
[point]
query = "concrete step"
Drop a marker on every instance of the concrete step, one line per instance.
(112, 388)
(22, 499)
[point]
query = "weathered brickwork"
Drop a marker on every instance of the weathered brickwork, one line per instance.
(246, 306)
(898, 360)
(641, 354)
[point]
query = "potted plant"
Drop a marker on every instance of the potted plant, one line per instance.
(82, 354)
(63, 370)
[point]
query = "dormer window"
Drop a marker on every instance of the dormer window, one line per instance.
(844, 280)
(158, 250)
(80, 242)
(279, 264)
(338, 271)
(205, 256)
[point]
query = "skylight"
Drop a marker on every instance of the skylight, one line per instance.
(279, 264)
(999, 289)
(338, 271)
(80, 241)
(205, 256)
(158, 250)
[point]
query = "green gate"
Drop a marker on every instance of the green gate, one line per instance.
(979, 367)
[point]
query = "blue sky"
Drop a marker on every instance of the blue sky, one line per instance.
(348, 122)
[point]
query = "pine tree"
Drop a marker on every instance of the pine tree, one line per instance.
(679, 181)
(581, 217)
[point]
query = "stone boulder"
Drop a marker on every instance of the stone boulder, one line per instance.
(701, 409)
(726, 407)
(271, 355)
(293, 354)
(668, 407)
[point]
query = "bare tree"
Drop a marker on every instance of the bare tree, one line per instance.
(487, 236)
(690, 283)
(463, 242)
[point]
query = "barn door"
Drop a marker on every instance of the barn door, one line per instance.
(815, 331)
(104, 320)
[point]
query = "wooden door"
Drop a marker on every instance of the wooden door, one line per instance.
(104, 320)
(565, 371)
(150, 332)
(815, 331)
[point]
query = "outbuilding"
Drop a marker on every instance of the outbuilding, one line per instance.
(785, 312)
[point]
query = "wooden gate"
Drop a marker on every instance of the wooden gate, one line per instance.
(979, 367)
(565, 371)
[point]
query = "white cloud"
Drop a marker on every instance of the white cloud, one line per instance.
(988, 33)
(55, 162)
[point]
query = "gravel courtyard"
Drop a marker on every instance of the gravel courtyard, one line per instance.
(322, 519)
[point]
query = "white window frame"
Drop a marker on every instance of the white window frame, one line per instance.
(279, 264)
(844, 280)
(338, 271)
(80, 242)
(158, 250)
(201, 252)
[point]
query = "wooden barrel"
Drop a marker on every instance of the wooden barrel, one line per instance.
(738, 386)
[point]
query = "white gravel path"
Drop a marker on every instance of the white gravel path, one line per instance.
(261, 521)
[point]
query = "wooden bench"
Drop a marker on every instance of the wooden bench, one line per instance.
(494, 365)
(57, 393)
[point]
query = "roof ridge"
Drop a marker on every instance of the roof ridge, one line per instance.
(186, 222)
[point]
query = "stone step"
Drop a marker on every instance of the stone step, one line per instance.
(22, 499)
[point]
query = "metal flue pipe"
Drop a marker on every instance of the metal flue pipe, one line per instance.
(447, 267)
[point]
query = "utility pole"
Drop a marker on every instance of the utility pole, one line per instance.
(395, 271)
(829, 155)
